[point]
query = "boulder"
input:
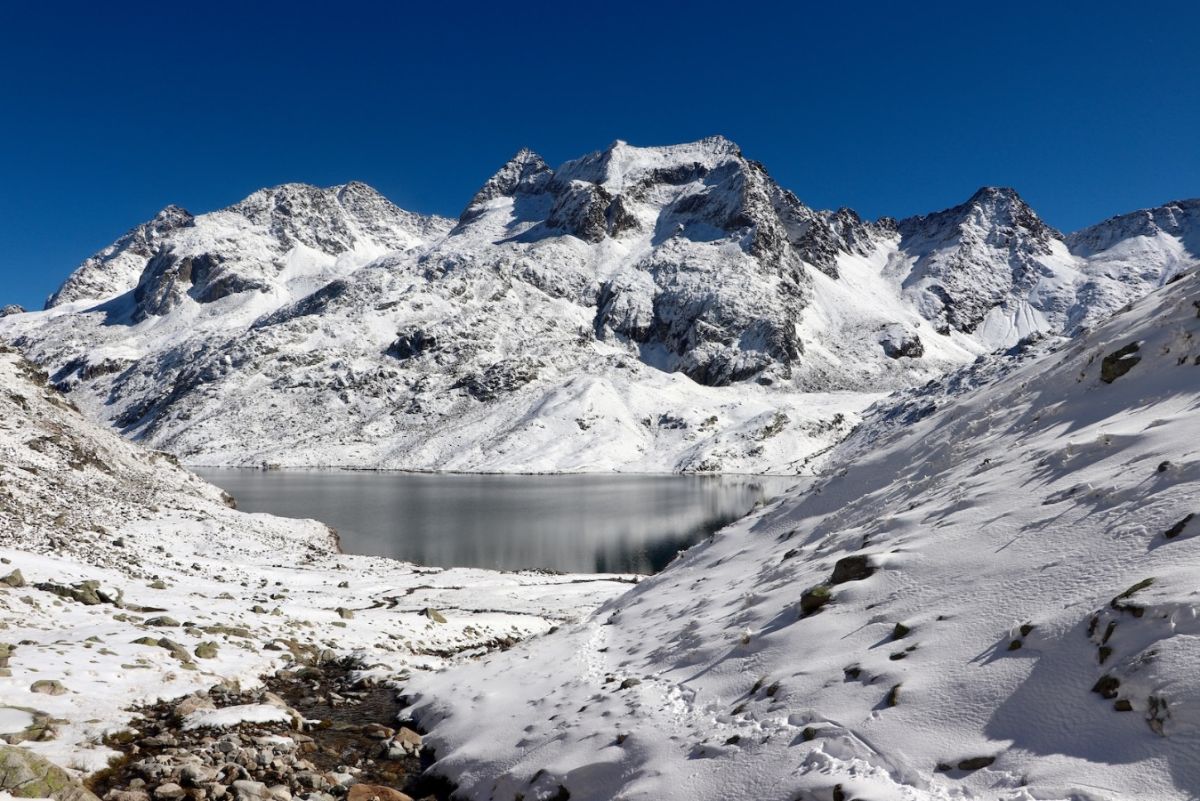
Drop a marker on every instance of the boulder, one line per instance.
(375, 792)
(24, 774)
(247, 790)
(169, 791)
(408, 740)
(1119, 362)
(852, 568)
(193, 703)
(48, 687)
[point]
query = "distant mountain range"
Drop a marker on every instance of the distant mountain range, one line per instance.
(664, 308)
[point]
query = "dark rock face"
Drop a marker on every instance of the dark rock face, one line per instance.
(12, 308)
(852, 568)
(702, 197)
(316, 303)
(525, 173)
(412, 344)
(499, 379)
(169, 278)
(903, 345)
(820, 236)
(92, 278)
(582, 210)
(1119, 362)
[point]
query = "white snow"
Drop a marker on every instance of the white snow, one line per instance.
(232, 716)
(559, 320)
(1015, 501)
(77, 503)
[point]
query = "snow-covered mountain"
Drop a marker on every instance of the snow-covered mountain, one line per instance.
(990, 594)
(655, 309)
(124, 579)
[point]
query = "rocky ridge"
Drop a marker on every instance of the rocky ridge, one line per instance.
(564, 307)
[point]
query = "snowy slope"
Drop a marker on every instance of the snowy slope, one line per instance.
(171, 560)
(991, 595)
(639, 308)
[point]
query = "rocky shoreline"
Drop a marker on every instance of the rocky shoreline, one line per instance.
(316, 733)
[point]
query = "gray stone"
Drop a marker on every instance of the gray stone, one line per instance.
(26, 775)
(48, 687)
(250, 790)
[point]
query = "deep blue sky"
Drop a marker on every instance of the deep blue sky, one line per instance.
(109, 111)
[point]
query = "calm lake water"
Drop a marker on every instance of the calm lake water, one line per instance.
(574, 523)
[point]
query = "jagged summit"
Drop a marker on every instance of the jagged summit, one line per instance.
(118, 266)
(521, 173)
(566, 307)
(999, 210)
(245, 246)
(979, 261)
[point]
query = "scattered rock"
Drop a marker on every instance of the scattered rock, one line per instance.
(14, 579)
(1119, 362)
(1107, 686)
(434, 615)
(247, 790)
(408, 740)
(85, 592)
(900, 344)
(193, 703)
(48, 687)
(375, 792)
(169, 791)
(813, 599)
(206, 650)
(852, 568)
(976, 763)
(1177, 529)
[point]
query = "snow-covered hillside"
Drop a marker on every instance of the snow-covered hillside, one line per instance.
(641, 309)
(124, 578)
(992, 594)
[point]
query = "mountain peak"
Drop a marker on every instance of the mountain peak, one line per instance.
(525, 171)
(994, 193)
(989, 210)
(980, 255)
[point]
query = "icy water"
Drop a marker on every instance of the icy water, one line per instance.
(573, 523)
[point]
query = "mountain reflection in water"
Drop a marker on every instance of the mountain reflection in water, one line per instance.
(573, 523)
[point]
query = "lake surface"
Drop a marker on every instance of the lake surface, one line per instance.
(573, 523)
